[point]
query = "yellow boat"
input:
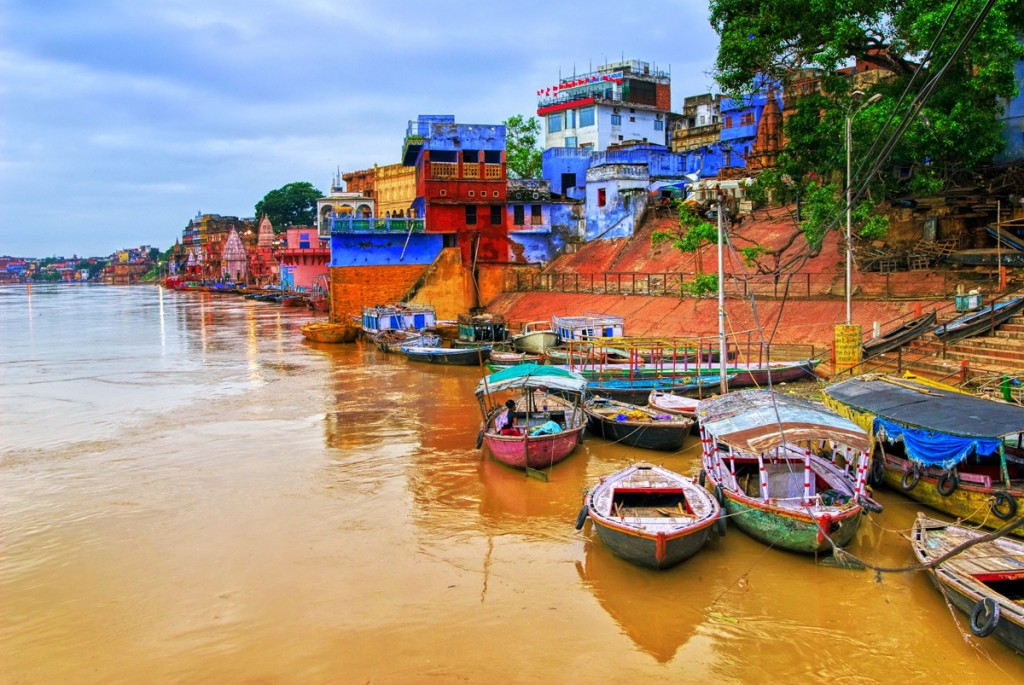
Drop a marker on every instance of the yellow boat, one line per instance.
(328, 332)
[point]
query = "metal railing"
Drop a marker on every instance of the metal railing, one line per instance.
(376, 225)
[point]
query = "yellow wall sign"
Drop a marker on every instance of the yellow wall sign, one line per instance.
(847, 347)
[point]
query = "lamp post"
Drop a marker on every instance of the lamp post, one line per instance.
(723, 351)
(849, 200)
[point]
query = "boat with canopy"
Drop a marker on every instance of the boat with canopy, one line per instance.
(957, 453)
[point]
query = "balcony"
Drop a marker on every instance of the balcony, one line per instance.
(444, 170)
(344, 225)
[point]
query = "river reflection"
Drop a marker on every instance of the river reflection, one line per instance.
(193, 493)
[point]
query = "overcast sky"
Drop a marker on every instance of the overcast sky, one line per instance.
(120, 119)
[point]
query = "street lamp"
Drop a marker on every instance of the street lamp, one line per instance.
(849, 199)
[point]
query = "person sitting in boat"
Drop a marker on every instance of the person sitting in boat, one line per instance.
(509, 428)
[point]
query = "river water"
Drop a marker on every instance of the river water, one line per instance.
(191, 493)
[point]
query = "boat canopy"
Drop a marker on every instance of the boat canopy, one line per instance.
(760, 420)
(938, 427)
(532, 376)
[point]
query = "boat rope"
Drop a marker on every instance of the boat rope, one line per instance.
(843, 555)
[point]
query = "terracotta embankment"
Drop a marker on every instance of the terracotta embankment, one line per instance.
(809, 316)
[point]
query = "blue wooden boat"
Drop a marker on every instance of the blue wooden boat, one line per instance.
(980, 321)
(638, 390)
(650, 516)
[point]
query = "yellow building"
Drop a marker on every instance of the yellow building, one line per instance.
(394, 187)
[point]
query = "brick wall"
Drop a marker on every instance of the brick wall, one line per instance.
(353, 287)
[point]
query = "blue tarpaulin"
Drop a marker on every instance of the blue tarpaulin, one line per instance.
(934, 449)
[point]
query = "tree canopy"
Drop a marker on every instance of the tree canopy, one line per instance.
(935, 122)
(293, 204)
(956, 129)
(522, 154)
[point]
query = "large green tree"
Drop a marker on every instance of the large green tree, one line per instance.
(293, 204)
(938, 133)
(522, 154)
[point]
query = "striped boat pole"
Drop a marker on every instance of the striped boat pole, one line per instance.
(807, 477)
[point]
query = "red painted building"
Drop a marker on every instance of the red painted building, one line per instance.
(461, 185)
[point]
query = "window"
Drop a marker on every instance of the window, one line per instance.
(570, 118)
(555, 122)
(470, 156)
(495, 193)
(517, 215)
(492, 156)
(495, 215)
(701, 119)
(616, 120)
(632, 120)
(568, 181)
(535, 217)
(471, 215)
(303, 241)
(728, 122)
(746, 119)
(601, 197)
(571, 141)
(659, 125)
(471, 193)
(586, 117)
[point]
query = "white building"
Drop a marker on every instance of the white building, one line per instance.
(616, 103)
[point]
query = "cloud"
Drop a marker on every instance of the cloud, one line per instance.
(118, 119)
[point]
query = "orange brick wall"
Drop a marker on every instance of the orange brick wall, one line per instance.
(353, 287)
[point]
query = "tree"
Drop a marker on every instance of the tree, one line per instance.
(956, 129)
(522, 155)
(293, 204)
(694, 234)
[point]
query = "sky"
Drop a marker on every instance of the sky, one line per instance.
(121, 119)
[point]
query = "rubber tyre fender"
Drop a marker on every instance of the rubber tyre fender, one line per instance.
(719, 495)
(985, 617)
(702, 478)
(1004, 506)
(910, 479)
(947, 483)
(721, 524)
(876, 476)
(480, 439)
(581, 517)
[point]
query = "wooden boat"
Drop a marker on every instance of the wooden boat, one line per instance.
(586, 328)
(899, 336)
(638, 390)
(477, 329)
(670, 403)
(957, 453)
(327, 332)
(538, 427)
(535, 338)
(637, 426)
(650, 516)
(788, 472)
(400, 317)
(985, 581)
(579, 355)
(390, 341)
(451, 356)
(508, 358)
(980, 321)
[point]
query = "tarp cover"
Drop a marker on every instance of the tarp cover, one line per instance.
(532, 376)
(931, 448)
(915, 405)
(759, 420)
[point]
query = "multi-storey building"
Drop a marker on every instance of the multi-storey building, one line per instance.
(394, 188)
(700, 124)
(616, 103)
(461, 184)
(303, 258)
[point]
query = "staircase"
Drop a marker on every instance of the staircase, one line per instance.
(971, 360)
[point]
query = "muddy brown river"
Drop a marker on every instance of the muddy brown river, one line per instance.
(191, 493)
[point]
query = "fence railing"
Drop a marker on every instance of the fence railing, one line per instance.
(677, 284)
